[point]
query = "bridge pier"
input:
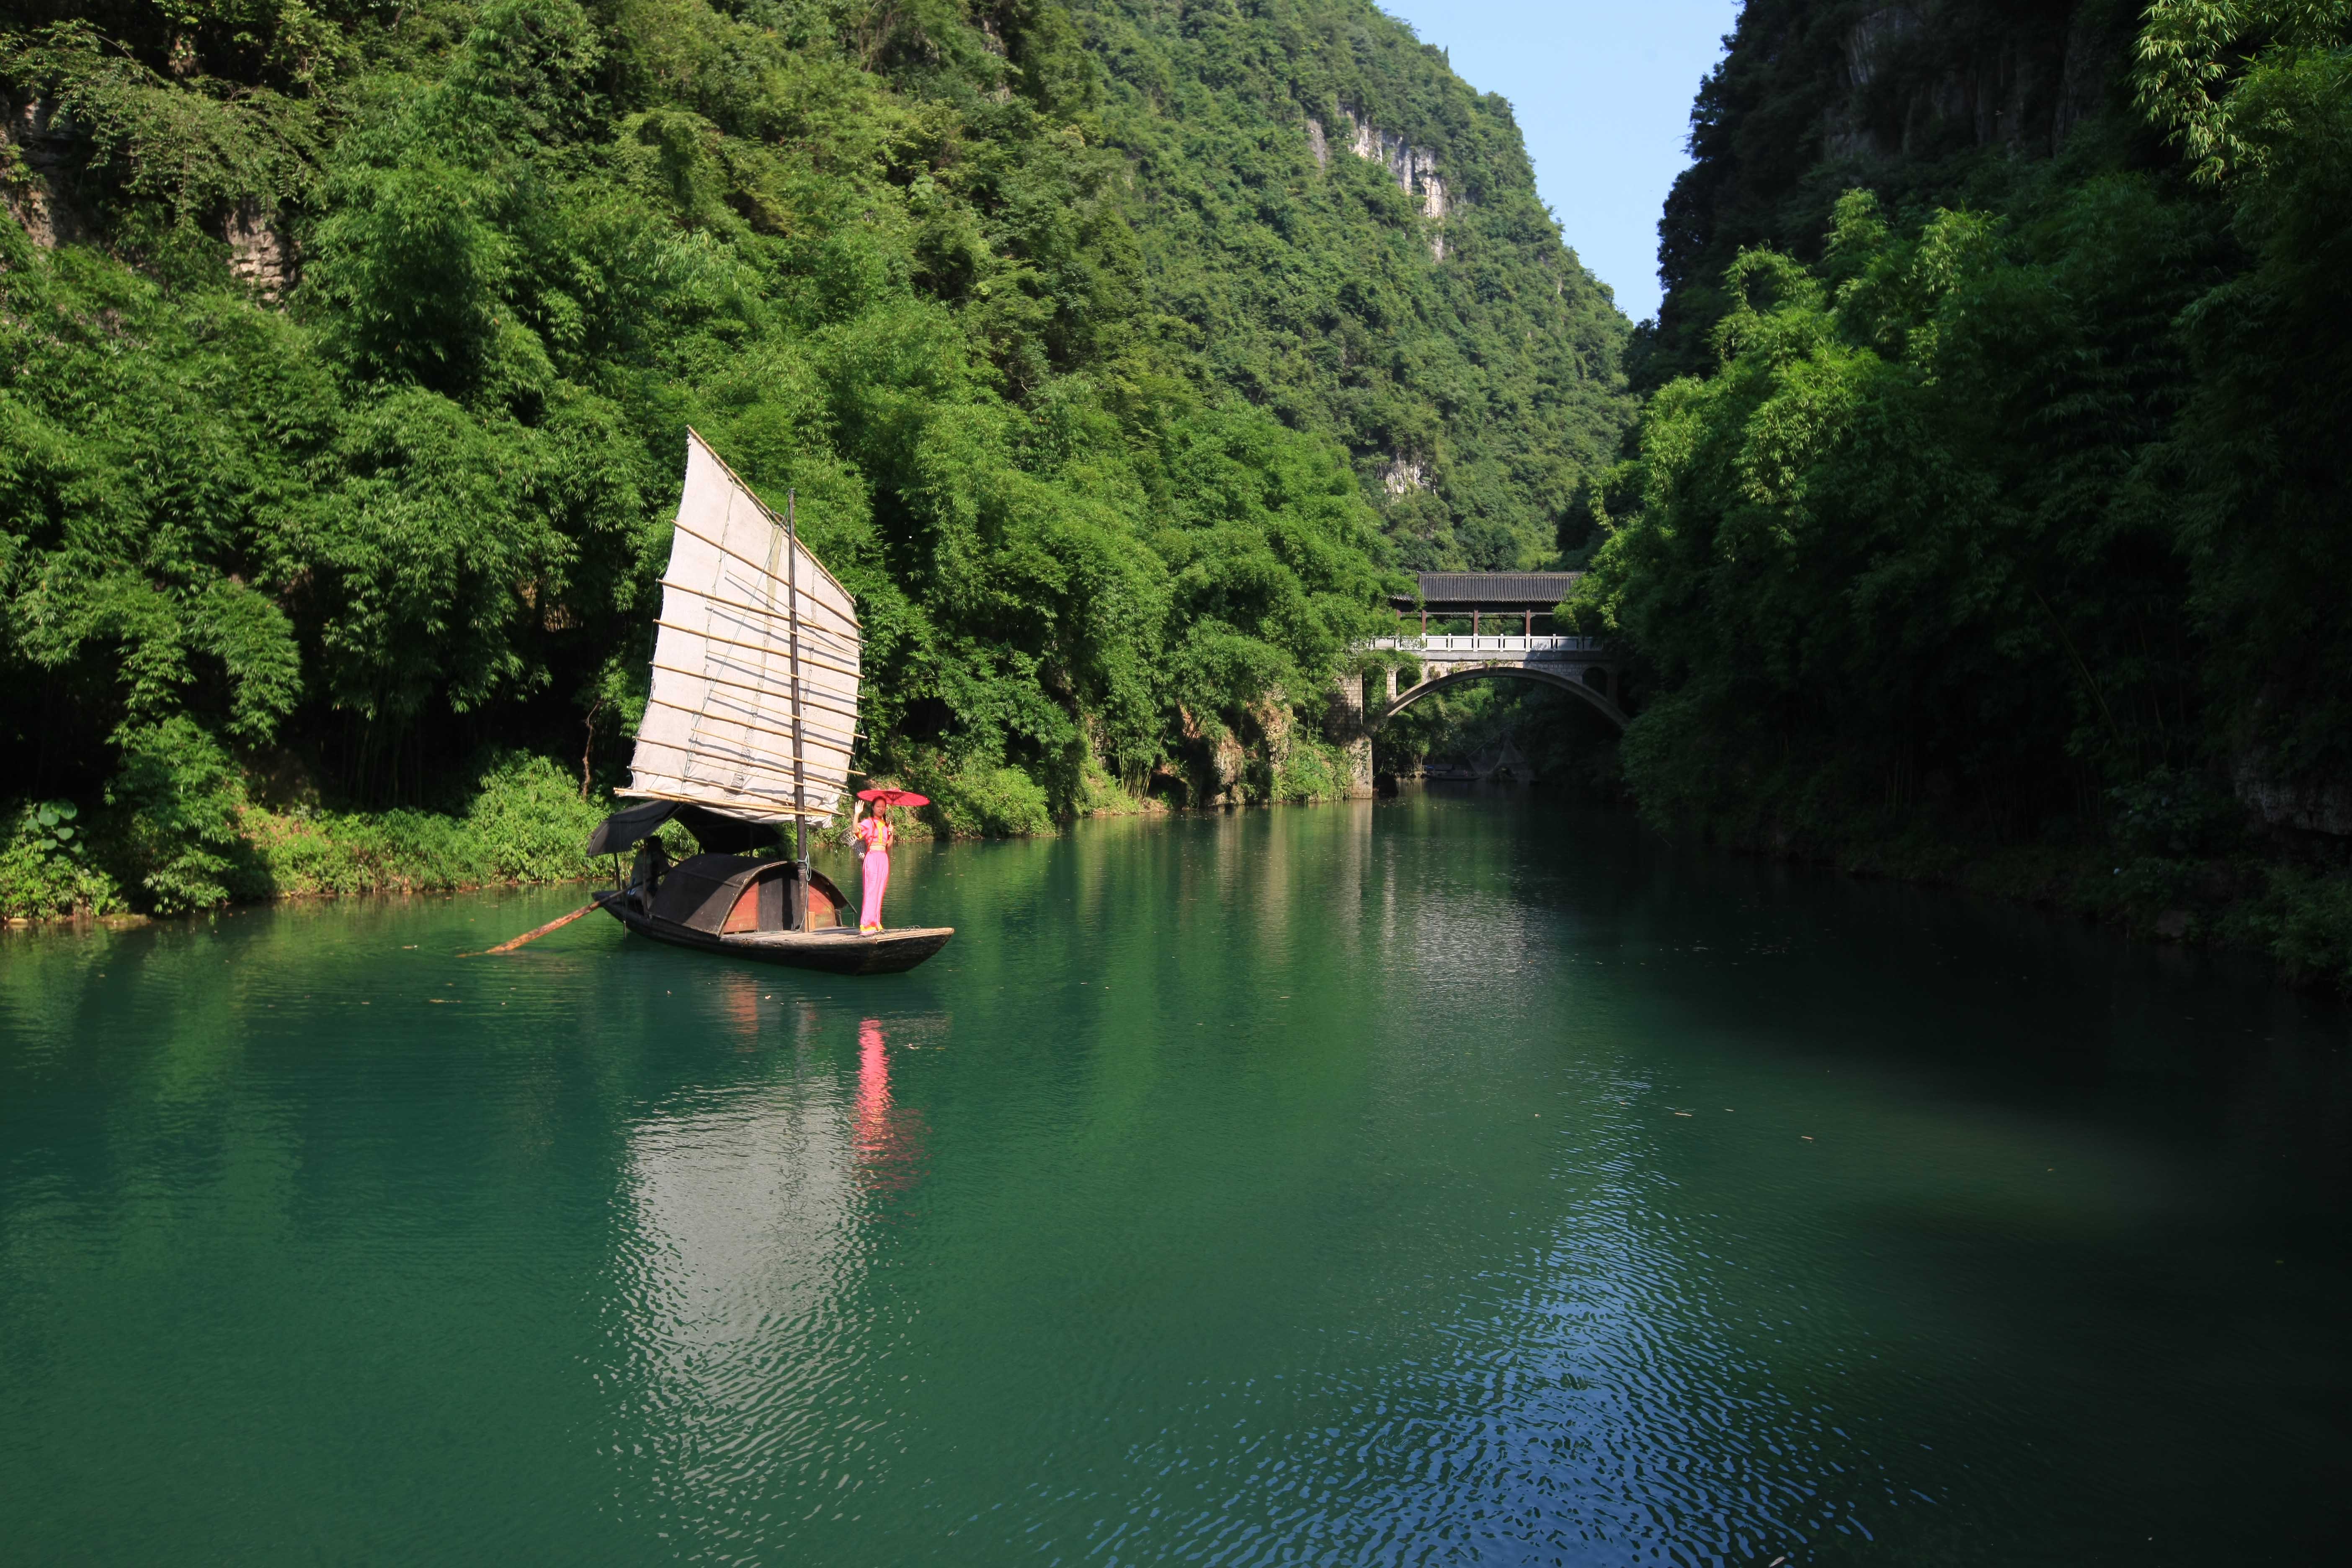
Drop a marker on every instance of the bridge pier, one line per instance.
(1353, 735)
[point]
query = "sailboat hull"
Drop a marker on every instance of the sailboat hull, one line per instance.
(835, 951)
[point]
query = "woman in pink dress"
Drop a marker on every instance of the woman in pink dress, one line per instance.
(875, 832)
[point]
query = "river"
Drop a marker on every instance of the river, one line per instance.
(1456, 1179)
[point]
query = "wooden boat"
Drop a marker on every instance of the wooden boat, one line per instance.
(748, 729)
(838, 949)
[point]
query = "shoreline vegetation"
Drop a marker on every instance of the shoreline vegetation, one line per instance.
(2296, 911)
(527, 821)
(2173, 861)
(524, 823)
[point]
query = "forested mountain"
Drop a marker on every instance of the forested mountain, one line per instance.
(1993, 492)
(1414, 300)
(1119, 355)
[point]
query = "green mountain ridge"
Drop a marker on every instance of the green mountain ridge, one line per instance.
(1351, 235)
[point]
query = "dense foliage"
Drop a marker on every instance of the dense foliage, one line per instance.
(1476, 391)
(347, 351)
(2016, 514)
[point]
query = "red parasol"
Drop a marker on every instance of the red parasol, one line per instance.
(894, 797)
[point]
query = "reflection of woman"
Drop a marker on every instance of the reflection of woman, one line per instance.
(890, 1146)
(875, 832)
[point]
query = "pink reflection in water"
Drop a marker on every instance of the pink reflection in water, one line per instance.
(889, 1144)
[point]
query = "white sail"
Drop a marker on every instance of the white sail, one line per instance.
(719, 728)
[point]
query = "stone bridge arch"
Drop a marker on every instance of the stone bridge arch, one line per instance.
(1502, 608)
(1377, 715)
(1578, 665)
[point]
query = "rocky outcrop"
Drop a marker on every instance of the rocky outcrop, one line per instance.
(37, 160)
(1403, 474)
(1919, 79)
(1414, 169)
(1348, 728)
(35, 163)
(258, 253)
(2303, 805)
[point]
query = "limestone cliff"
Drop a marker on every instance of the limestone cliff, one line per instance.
(1925, 102)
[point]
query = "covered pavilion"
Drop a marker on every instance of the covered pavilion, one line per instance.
(1478, 595)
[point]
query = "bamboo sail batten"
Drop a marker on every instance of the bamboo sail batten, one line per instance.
(769, 784)
(809, 692)
(755, 591)
(854, 643)
(832, 741)
(757, 566)
(745, 608)
(806, 700)
(848, 668)
(734, 642)
(749, 761)
(763, 811)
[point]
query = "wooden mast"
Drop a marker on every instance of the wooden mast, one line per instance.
(799, 780)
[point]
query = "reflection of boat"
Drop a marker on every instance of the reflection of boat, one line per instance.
(749, 725)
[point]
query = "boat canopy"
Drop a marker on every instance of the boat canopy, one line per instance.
(753, 708)
(702, 893)
(717, 833)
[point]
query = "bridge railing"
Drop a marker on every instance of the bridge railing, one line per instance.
(1522, 646)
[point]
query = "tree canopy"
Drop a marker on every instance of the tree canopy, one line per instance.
(2010, 502)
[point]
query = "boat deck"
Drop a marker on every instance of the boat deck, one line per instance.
(842, 948)
(838, 949)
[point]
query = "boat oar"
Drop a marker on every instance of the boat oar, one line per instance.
(558, 924)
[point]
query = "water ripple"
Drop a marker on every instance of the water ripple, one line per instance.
(1439, 1182)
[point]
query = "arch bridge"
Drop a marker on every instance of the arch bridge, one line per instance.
(1502, 643)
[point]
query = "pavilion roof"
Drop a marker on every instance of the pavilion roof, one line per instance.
(1538, 591)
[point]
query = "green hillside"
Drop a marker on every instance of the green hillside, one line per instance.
(1341, 228)
(1991, 505)
(347, 351)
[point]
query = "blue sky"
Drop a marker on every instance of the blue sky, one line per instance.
(1603, 93)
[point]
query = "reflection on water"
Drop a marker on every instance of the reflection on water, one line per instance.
(1456, 1179)
(889, 1143)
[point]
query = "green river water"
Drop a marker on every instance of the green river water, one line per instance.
(1456, 1179)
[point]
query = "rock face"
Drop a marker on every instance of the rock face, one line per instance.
(2313, 807)
(1917, 81)
(1403, 475)
(258, 252)
(1348, 728)
(1414, 169)
(1814, 97)
(32, 175)
(37, 159)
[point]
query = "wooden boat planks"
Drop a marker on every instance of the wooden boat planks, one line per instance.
(835, 951)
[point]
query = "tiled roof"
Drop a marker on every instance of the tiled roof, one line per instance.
(1517, 590)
